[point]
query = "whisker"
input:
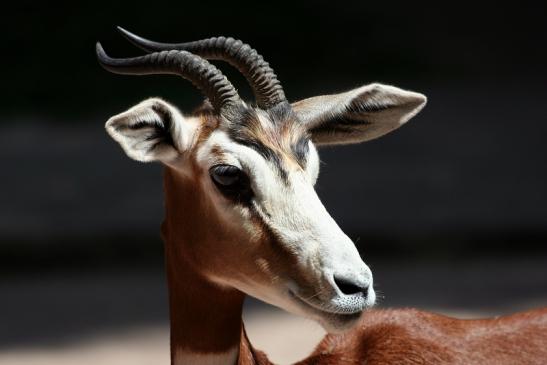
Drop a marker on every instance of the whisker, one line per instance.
(315, 295)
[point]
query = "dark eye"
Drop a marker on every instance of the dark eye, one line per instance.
(231, 181)
(225, 175)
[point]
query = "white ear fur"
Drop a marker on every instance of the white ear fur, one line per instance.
(358, 115)
(152, 130)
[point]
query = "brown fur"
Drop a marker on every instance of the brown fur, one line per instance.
(206, 317)
(200, 247)
(409, 336)
(206, 330)
(412, 337)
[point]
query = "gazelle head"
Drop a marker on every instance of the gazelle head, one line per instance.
(254, 221)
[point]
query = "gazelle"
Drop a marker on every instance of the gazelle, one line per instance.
(242, 217)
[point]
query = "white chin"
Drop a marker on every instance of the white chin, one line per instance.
(339, 323)
(331, 322)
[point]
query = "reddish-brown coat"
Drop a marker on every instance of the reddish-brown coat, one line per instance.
(409, 336)
(206, 318)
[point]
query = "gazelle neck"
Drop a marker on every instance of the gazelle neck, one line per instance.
(205, 318)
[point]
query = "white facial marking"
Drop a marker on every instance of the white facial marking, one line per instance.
(315, 248)
(305, 229)
(224, 358)
(312, 164)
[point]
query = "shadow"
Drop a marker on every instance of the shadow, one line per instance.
(60, 308)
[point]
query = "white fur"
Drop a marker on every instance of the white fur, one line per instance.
(183, 357)
(291, 210)
(313, 163)
(297, 215)
(135, 143)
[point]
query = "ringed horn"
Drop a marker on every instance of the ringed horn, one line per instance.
(205, 76)
(264, 83)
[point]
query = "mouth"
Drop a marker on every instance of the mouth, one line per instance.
(333, 318)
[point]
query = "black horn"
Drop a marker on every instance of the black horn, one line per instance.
(266, 87)
(205, 76)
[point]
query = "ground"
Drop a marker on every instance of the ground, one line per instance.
(120, 317)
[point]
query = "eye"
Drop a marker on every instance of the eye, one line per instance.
(231, 181)
(225, 175)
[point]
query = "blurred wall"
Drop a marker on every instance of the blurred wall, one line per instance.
(468, 173)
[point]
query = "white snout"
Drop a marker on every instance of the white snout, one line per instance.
(346, 290)
(333, 285)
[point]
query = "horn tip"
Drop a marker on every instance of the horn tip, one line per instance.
(127, 34)
(101, 54)
(99, 49)
(121, 30)
(139, 41)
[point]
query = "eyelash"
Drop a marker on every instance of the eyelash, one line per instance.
(232, 182)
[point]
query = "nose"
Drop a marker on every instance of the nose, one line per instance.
(350, 286)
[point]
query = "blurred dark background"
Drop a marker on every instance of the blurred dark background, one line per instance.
(462, 187)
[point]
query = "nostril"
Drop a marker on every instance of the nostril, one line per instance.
(350, 287)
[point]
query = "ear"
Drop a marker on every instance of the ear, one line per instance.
(153, 130)
(358, 115)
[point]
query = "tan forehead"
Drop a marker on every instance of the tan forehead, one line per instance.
(280, 137)
(284, 142)
(274, 138)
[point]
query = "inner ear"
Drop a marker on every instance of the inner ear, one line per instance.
(358, 115)
(153, 130)
(156, 128)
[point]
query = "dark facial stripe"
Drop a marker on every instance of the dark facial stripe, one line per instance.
(265, 152)
(244, 130)
(300, 150)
